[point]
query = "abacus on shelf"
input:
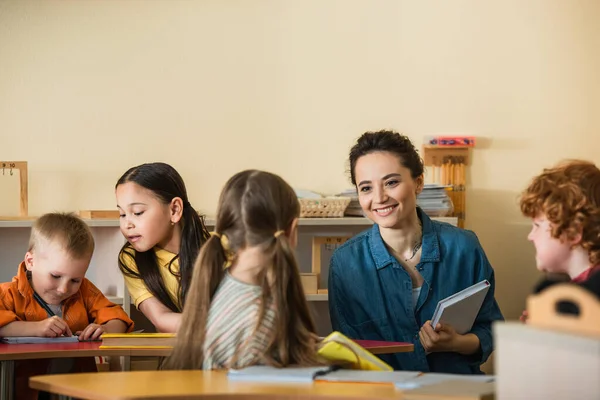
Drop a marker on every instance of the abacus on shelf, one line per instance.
(8, 167)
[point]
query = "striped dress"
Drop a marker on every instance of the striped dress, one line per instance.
(231, 326)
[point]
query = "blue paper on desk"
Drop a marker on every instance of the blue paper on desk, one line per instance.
(37, 339)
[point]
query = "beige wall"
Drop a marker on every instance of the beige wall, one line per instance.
(90, 88)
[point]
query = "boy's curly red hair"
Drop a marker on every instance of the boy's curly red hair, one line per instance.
(569, 196)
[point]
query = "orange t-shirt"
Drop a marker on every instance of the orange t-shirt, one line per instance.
(88, 305)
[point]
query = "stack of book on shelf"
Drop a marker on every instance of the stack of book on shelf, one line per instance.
(353, 209)
(434, 200)
(138, 340)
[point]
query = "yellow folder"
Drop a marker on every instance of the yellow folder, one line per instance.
(337, 348)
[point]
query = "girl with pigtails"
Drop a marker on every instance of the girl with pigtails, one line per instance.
(246, 305)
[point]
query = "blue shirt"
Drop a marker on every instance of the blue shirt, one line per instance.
(370, 293)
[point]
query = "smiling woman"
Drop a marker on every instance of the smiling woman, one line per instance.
(164, 234)
(385, 283)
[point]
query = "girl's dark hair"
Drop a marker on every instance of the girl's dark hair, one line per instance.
(389, 141)
(166, 184)
(253, 206)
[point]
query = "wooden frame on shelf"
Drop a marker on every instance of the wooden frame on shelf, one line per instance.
(21, 166)
(317, 242)
(99, 214)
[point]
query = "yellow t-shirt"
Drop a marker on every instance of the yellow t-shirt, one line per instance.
(137, 288)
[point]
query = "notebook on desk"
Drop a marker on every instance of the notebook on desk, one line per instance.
(263, 373)
(433, 378)
(452, 389)
(138, 340)
(357, 376)
(461, 309)
(37, 339)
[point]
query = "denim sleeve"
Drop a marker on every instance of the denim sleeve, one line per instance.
(490, 311)
(338, 301)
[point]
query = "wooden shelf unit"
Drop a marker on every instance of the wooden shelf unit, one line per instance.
(449, 165)
(105, 274)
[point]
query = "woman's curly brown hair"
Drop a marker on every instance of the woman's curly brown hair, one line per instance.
(569, 196)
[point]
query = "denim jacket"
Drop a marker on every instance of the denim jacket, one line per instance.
(370, 293)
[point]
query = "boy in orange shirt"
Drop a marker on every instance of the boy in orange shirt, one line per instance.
(564, 204)
(51, 297)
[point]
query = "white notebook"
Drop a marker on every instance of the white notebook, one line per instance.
(432, 378)
(461, 309)
(355, 375)
(37, 339)
(263, 373)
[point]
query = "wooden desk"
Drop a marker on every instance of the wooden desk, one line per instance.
(56, 350)
(214, 385)
(135, 385)
(9, 353)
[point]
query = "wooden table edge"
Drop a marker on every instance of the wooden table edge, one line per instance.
(42, 382)
(45, 354)
(38, 383)
(404, 348)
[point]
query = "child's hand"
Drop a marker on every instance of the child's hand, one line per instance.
(53, 327)
(524, 316)
(440, 339)
(91, 332)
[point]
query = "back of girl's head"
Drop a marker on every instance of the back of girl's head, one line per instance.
(166, 184)
(388, 141)
(253, 206)
(568, 195)
(256, 209)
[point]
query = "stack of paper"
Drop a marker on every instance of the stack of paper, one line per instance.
(434, 200)
(307, 194)
(354, 209)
